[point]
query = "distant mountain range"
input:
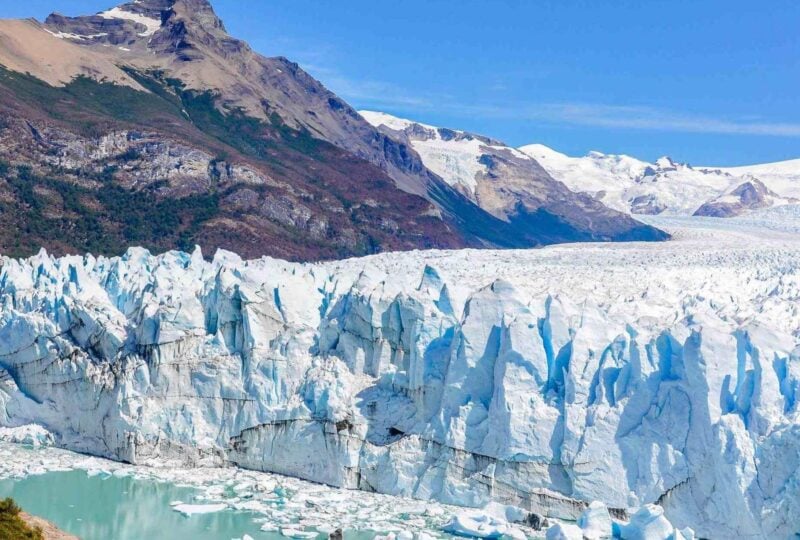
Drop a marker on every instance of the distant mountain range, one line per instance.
(666, 187)
(509, 184)
(148, 124)
(498, 177)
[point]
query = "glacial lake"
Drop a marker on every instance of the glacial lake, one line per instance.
(97, 499)
(104, 507)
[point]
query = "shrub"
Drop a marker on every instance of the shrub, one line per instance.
(12, 527)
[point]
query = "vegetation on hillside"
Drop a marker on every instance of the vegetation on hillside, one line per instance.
(357, 208)
(12, 527)
(103, 221)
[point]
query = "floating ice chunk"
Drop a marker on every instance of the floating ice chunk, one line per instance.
(511, 514)
(192, 509)
(297, 533)
(648, 523)
(564, 531)
(31, 435)
(595, 522)
(479, 524)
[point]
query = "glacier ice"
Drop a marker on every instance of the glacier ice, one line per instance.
(630, 374)
(646, 523)
(478, 524)
(564, 531)
(595, 522)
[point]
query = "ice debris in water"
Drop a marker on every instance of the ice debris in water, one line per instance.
(478, 524)
(294, 508)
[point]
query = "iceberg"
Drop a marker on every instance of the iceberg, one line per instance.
(646, 523)
(564, 531)
(192, 509)
(630, 374)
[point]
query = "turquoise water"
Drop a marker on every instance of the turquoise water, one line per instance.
(105, 508)
(116, 502)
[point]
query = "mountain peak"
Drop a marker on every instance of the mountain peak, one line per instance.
(134, 24)
(154, 8)
(666, 163)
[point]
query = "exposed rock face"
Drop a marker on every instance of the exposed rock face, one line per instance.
(192, 45)
(496, 376)
(76, 192)
(27, 47)
(751, 195)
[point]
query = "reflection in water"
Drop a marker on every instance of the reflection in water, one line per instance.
(106, 507)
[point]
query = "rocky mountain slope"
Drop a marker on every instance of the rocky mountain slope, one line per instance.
(666, 187)
(510, 185)
(147, 124)
(628, 373)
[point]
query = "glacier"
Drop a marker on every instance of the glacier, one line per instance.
(633, 374)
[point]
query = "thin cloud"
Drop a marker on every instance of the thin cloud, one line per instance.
(652, 119)
(365, 92)
(380, 94)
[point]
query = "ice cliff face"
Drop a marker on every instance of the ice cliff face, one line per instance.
(629, 374)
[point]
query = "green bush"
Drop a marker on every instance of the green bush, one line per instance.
(119, 218)
(12, 527)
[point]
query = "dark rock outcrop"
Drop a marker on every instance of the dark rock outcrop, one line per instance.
(750, 195)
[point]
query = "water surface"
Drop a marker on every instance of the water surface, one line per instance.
(104, 507)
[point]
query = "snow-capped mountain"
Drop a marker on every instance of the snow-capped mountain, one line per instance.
(666, 187)
(500, 178)
(509, 184)
(628, 373)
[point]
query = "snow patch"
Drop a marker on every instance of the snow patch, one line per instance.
(151, 25)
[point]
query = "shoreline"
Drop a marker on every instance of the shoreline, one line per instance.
(49, 530)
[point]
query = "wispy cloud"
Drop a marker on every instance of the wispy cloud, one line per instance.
(637, 117)
(374, 93)
(380, 94)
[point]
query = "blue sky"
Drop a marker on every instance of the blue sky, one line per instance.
(705, 81)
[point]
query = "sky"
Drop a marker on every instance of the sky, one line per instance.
(707, 82)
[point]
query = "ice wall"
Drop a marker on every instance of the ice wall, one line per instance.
(395, 375)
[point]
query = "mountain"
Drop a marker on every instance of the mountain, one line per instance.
(670, 188)
(147, 124)
(511, 186)
(628, 373)
(114, 148)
